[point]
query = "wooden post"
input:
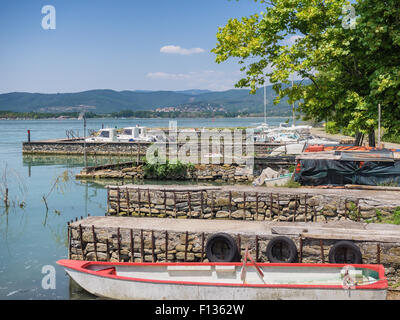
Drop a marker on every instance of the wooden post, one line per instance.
(190, 204)
(279, 209)
(95, 243)
(166, 246)
(149, 201)
(69, 241)
(118, 201)
(256, 206)
(128, 201)
(295, 208)
(202, 246)
(321, 244)
(271, 204)
(202, 202)
(108, 201)
(305, 207)
(301, 250)
(257, 248)
(244, 205)
(81, 238)
(107, 250)
(142, 245)
(119, 245)
(165, 202)
(186, 245)
(175, 213)
(153, 259)
(132, 245)
(137, 153)
(378, 253)
(230, 204)
(212, 204)
(138, 192)
(239, 244)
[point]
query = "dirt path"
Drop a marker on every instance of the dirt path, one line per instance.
(320, 132)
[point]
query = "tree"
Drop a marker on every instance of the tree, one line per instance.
(347, 68)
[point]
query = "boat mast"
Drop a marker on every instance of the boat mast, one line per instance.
(293, 110)
(265, 104)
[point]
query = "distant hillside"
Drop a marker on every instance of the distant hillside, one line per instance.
(108, 101)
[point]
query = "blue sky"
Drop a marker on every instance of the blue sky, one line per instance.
(116, 45)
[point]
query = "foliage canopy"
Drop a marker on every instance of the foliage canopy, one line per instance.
(351, 65)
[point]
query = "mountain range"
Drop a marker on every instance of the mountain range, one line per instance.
(107, 101)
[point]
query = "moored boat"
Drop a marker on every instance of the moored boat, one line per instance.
(228, 281)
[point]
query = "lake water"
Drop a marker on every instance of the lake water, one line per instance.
(32, 238)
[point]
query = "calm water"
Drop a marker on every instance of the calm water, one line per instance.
(32, 238)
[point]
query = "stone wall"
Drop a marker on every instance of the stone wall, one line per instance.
(136, 245)
(73, 147)
(232, 203)
(210, 172)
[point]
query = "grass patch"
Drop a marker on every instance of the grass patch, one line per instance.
(392, 219)
(292, 184)
(167, 170)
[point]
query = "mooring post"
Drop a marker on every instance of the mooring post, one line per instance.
(165, 202)
(132, 244)
(95, 243)
(128, 201)
(301, 249)
(257, 248)
(69, 241)
(239, 244)
(230, 204)
(29, 135)
(378, 253)
(175, 213)
(256, 206)
(81, 238)
(166, 246)
(138, 192)
(244, 205)
(321, 244)
(153, 259)
(305, 208)
(107, 250)
(212, 204)
(186, 245)
(202, 246)
(142, 245)
(119, 244)
(279, 209)
(149, 201)
(190, 204)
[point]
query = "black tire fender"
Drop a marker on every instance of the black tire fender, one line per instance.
(349, 246)
(232, 252)
(280, 242)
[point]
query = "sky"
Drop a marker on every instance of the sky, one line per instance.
(118, 45)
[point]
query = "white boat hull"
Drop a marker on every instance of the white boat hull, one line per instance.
(191, 285)
(136, 290)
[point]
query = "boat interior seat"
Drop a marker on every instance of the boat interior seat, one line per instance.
(107, 271)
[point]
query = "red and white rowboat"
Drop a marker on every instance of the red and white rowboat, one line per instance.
(228, 281)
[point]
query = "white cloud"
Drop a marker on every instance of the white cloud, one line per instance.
(167, 76)
(204, 79)
(171, 49)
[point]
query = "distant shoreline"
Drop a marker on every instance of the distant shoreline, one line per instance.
(158, 118)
